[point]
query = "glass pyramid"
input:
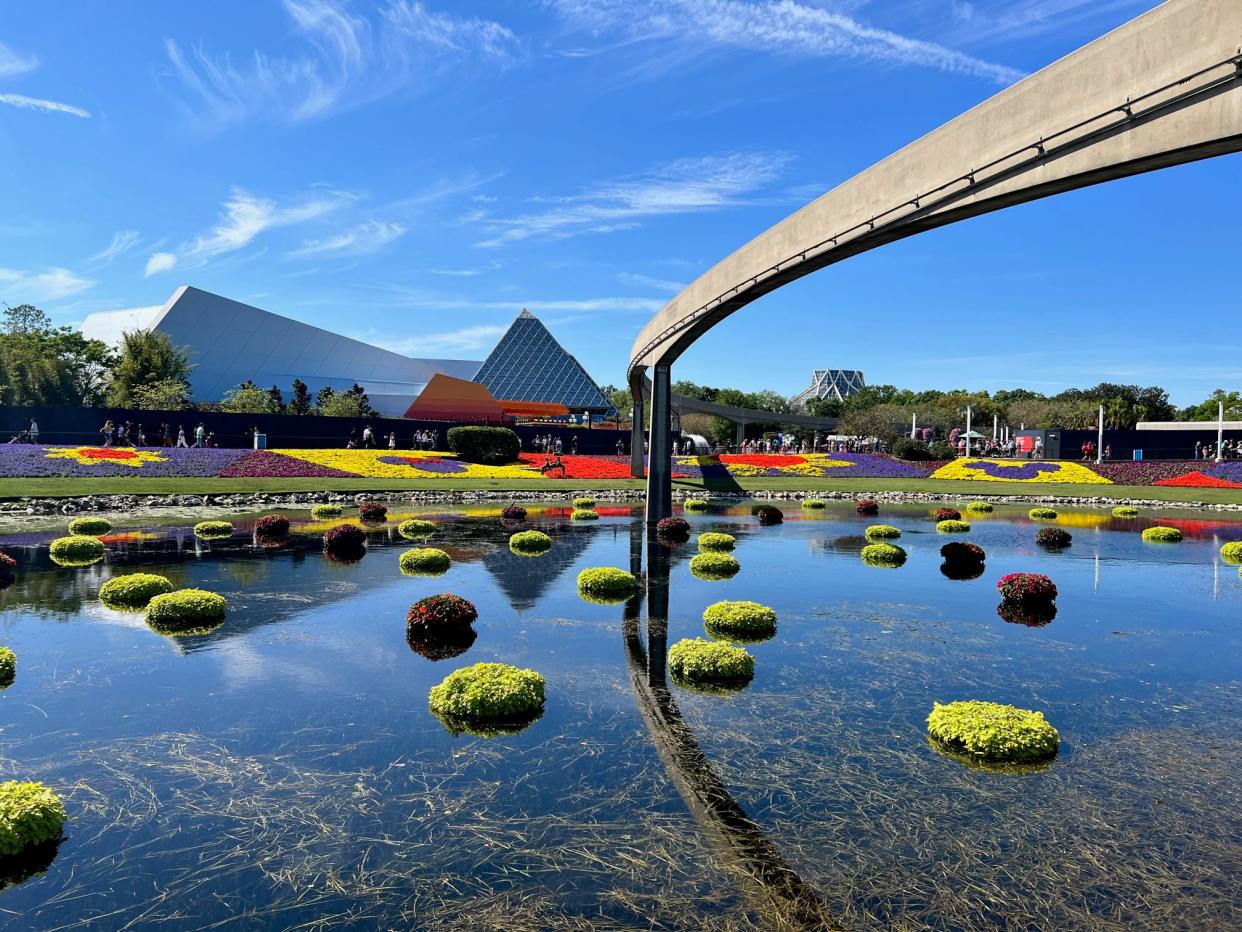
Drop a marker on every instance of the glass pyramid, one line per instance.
(529, 365)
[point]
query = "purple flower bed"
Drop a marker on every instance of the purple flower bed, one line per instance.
(1029, 470)
(1142, 472)
(31, 460)
(263, 464)
(1230, 471)
(862, 466)
(436, 464)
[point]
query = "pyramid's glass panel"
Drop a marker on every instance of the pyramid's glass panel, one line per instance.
(831, 383)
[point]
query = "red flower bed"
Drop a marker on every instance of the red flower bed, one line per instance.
(1027, 587)
(345, 540)
(946, 514)
(867, 506)
(108, 453)
(440, 611)
(1199, 480)
(763, 460)
(272, 526)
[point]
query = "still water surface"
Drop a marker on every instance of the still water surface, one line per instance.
(285, 772)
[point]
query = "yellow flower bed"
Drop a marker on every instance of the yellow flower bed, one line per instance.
(369, 463)
(988, 470)
(94, 456)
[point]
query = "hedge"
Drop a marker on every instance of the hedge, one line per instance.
(881, 532)
(1041, 514)
(488, 692)
(530, 543)
(30, 814)
(887, 555)
(414, 528)
(90, 527)
(320, 512)
(492, 446)
(993, 732)
(698, 660)
(133, 590)
(982, 508)
(213, 529)
(714, 565)
(1125, 511)
(186, 611)
(606, 583)
(78, 550)
(583, 514)
(424, 561)
(953, 527)
(1162, 535)
(694, 504)
(740, 620)
(715, 542)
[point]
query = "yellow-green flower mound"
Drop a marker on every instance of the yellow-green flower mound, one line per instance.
(210, 530)
(583, 514)
(78, 550)
(883, 555)
(424, 561)
(694, 504)
(30, 814)
(990, 731)
(953, 527)
(8, 667)
(584, 501)
(814, 504)
(90, 527)
(1125, 511)
(1041, 514)
(606, 585)
(715, 542)
(1232, 552)
(319, 512)
(882, 532)
(530, 543)
(740, 621)
(486, 693)
(698, 660)
(133, 590)
(980, 508)
(714, 566)
(187, 611)
(1162, 535)
(415, 528)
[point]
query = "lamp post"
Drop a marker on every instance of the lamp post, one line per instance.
(968, 412)
(1099, 446)
(1220, 430)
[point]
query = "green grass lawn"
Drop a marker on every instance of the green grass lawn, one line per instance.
(54, 488)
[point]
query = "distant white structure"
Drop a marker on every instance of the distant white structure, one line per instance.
(830, 383)
(230, 342)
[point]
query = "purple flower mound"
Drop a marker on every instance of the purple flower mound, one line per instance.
(372, 511)
(1054, 538)
(263, 464)
(961, 552)
(438, 464)
(30, 460)
(513, 513)
(674, 528)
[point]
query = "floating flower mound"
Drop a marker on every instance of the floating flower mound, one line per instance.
(583, 514)
(946, 514)
(694, 504)
(1162, 535)
(415, 528)
(814, 504)
(698, 661)
(424, 561)
(980, 508)
(320, 512)
(345, 543)
(584, 501)
(887, 555)
(530, 543)
(740, 621)
(1232, 552)
(867, 506)
(133, 590)
(606, 585)
(513, 513)
(953, 527)
(372, 511)
(715, 542)
(962, 552)
(1027, 588)
(441, 612)
(187, 611)
(78, 550)
(882, 532)
(1041, 514)
(1054, 538)
(487, 699)
(768, 515)
(213, 530)
(713, 566)
(992, 732)
(31, 814)
(1032, 615)
(673, 528)
(90, 527)
(1125, 511)
(271, 527)
(8, 667)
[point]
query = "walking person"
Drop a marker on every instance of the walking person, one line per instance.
(200, 435)
(106, 432)
(368, 437)
(34, 431)
(392, 440)
(181, 436)
(142, 436)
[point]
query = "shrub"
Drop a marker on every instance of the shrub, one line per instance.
(946, 514)
(1162, 535)
(1232, 552)
(694, 504)
(1031, 614)
(271, 526)
(981, 508)
(186, 611)
(583, 514)
(213, 529)
(740, 620)
(673, 528)
(882, 532)
(530, 543)
(90, 527)
(1125, 511)
(493, 446)
(8, 667)
(715, 542)
(513, 513)
(698, 660)
(993, 732)
(415, 528)
(319, 512)
(345, 540)
(907, 448)
(883, 555)
(1041, 514)
(1027, 587)
(488, 692)
(814, 504)
(767, 514)
(1053, 538)
(939, 450)
(133, 590)
(606, 583)
(30, 814)
(584, 501)
(714, 566)
(867, 506)
(78, 550)
(424, 561)
(441, 644)
(439, 612)
(953, 527)
(373, 511)
(962, 552)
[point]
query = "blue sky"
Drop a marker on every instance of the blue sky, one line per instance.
(414, 173)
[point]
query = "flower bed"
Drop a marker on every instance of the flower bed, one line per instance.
(962, 552)
(319, 512)
(513, 513)
(488, 692)
(881, 532)
(211, 530)
(673, 528)
(415, 528)
(1054, 538)
(436, 612)
(606, 584)
(1125, 511)
(78, 550)
(265, 464)
(946, 514)
(1143, 472)
(345, 542)
(993, 732)
(186, 611)
(953, 527)
(271, 526)
(867, 506)
(1027, 588)
(530, 543)
(743, 620)
(584, 514)
(980, 508)
(1018, 471)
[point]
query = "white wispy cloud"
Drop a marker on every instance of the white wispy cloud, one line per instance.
(159, 262)
(12, 63)
(38, 103)
(646, 281)
(685, 186)
(51, 284)
(349, 60)
(364, 238)
(467, 339)
(1011, 20)
(784, 27)
(122, 242)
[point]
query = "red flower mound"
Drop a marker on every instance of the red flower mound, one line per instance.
(1053, 537)
(372, 511)
(946, 514)
(1199, 480)
(1027, 588)
(959, 552)
(763, 460)
(271, 526)
(345, 540)
(437, 612)
(107, 453)
(513, 513)
(867, 506)
(673, 528)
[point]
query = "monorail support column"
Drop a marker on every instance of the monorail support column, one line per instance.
(741, 434)
(660, 450)
(637, 432)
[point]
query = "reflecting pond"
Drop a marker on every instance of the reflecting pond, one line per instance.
(284, 770)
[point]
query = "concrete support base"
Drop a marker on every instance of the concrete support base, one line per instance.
(637, 431)
(660, 451)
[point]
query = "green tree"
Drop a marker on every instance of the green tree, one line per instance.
(277, 399)
(248, 398)
(147, 357)
(1209, 409)
(351, 403)
(45, 365)
(300, 403)
(161, 395)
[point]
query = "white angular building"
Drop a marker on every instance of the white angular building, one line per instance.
(830, 383)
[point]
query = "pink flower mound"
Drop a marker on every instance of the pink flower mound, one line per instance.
(344, 539)
(673, 528)
(263, 464)
(1027, 588)
(272, 526)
